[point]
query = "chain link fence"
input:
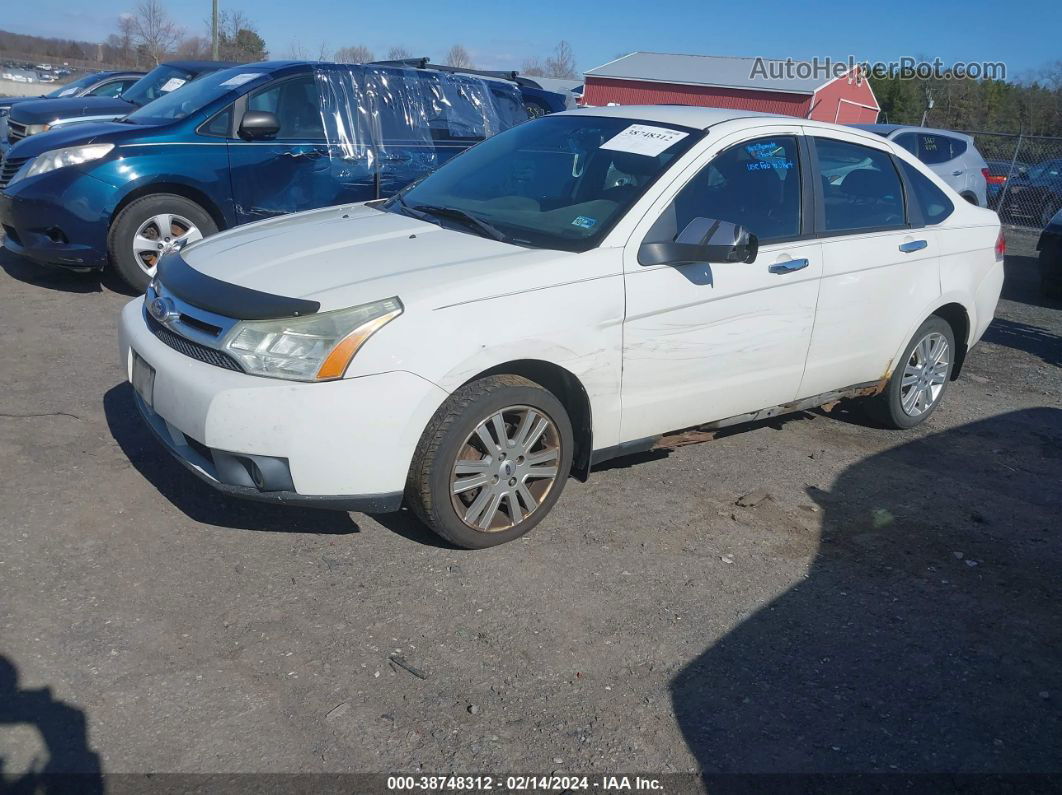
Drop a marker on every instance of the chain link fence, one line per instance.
(1024, 176)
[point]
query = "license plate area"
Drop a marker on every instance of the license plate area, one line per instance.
(144, 379)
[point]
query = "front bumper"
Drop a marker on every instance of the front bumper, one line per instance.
(345, 444)
(58, 219)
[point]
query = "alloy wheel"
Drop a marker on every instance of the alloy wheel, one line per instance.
(505, 468)
(160, 234)
(925, 374)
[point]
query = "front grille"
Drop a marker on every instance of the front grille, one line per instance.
(192, 349)
(8, 167)
(15, 131)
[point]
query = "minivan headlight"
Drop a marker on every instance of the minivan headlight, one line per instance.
(313, 348)
(59, 158)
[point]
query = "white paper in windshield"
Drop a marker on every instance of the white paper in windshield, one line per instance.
(641, 139)
(68, 91)
(239, 80)
(172, 85)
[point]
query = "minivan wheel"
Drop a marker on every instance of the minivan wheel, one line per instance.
(150, 227)
(492, 462)
(918, 385)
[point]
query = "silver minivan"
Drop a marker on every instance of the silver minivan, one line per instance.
(952, 155)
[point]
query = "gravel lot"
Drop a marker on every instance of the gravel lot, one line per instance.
(893, 605)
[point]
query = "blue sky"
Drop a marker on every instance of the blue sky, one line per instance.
(502, 33)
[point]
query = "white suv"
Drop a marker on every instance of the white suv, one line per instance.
(573, 289)
(951, 155)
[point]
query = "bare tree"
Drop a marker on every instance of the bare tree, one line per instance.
(194, 48)
(562, 62)
(153, 30)
(120, 44)
(459, 57)
(398, 52)
(238, 38)
(359, 53)
(296, 52)
(533, 67)
(324, 53)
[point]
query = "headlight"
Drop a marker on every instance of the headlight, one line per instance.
(33, 129)
(58, 158)
(313, 348)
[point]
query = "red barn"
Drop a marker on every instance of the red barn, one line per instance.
(793, 88)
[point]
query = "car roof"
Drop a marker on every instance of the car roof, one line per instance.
(200, 66)
(889, 129)
(697, 117)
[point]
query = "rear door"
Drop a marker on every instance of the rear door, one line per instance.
(878, 270)
(706, 341)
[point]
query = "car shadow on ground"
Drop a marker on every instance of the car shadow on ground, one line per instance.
(926, 634)
(58, 279)
(1031, 339)
(70, 764)
(196, 499)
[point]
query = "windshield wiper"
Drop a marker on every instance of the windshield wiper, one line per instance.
(460, 215)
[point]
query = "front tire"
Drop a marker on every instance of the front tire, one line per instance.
(918, 384)
(492, 462)
(150, 227)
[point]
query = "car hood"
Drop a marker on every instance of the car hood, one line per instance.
(344, 256)
(88, 133)
(44, 111)
(6, 102)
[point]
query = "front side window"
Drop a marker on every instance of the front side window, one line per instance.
(755, 184)
(559, 182)
(935, 204)
(297, 106)
(111, 89)
(860, 187)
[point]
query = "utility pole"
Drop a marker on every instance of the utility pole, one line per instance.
(214, 31)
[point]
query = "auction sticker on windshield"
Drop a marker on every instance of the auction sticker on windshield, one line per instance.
(641, 139)
(240, 79)
(172, 85)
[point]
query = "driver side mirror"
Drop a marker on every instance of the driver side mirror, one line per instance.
(703, 240)
(258, 124)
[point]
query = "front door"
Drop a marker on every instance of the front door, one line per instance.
(704, 342)
(298, 169)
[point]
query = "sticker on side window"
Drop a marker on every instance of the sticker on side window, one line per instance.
(641, 139)
(239, 80)
(172, 85)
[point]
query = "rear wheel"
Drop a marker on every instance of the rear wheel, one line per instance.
(492, 462)
(150, 227)
(918, 385)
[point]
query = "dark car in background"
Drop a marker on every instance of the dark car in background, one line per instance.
(999, 171)
(97, 84)
(240, 145)
(41, 115)
(1050, 248)
(1034, 197)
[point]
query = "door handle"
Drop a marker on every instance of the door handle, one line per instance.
(789, 266)
(913, 245)
(957, 173)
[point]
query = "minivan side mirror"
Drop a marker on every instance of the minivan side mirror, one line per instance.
(703, 240)
(258, 124)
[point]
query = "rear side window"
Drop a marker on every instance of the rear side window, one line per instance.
(932, 148)
(935, 204)
(860, 187)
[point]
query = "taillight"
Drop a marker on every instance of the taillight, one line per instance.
(1001, 246)
(992, 180)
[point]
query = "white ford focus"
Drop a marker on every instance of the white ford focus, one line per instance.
(576, 288)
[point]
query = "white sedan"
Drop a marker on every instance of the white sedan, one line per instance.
(574, 289)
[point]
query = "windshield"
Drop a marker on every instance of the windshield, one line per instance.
(557, 182)
(159, 81)
(73, 88)
(197, 95)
